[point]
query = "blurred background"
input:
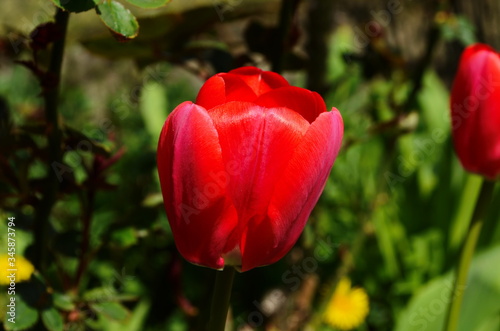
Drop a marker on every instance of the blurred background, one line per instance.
(393, 215)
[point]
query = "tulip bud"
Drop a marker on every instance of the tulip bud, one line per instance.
(475, 110)
(242, 168)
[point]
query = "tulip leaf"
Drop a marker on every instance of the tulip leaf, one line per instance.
(421, 149)
(434, 102)
(427, 309)
(118, 19)
(149, 3)
(52, 319)
(153, 107)
(75, 6)
(491, 324)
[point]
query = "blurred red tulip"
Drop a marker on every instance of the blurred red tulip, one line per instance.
(242, 168)
(475, 110)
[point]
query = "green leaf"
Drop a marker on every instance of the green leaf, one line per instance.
(176, 322)
(149, 3)
(75, 6)
(168, 32)
(63, 301)
(490, 324)
(420, 150)
(52, 319)
(135, 322)
(99, 294)
(434, 101)
(113, 310)
(427, 309)
(125, 237)
(386, 228)
(153, 107)
(25, 316)
(460, 29)
(153, 200)
(118, 19)
(74, 137)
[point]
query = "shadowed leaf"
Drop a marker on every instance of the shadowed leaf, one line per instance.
(75, 6)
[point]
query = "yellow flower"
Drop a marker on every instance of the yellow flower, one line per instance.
(23, 266)
(348, 307)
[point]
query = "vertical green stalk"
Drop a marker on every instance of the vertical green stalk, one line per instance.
(467, 253)
(54, 138)
(220, 299)
(466, 204)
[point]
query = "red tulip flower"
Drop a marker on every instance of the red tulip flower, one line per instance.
(242, 168)
(475, 110)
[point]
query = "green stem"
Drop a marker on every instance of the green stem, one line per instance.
(54, 137)
(461, 221)
(220, 299)
(467, 253)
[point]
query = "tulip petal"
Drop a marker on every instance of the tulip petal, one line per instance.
(193, 184)
(242, 84)
(474, 99)
(260, 81)
(257, 144)
(307, 103)
(295, 194)
(223, 88)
